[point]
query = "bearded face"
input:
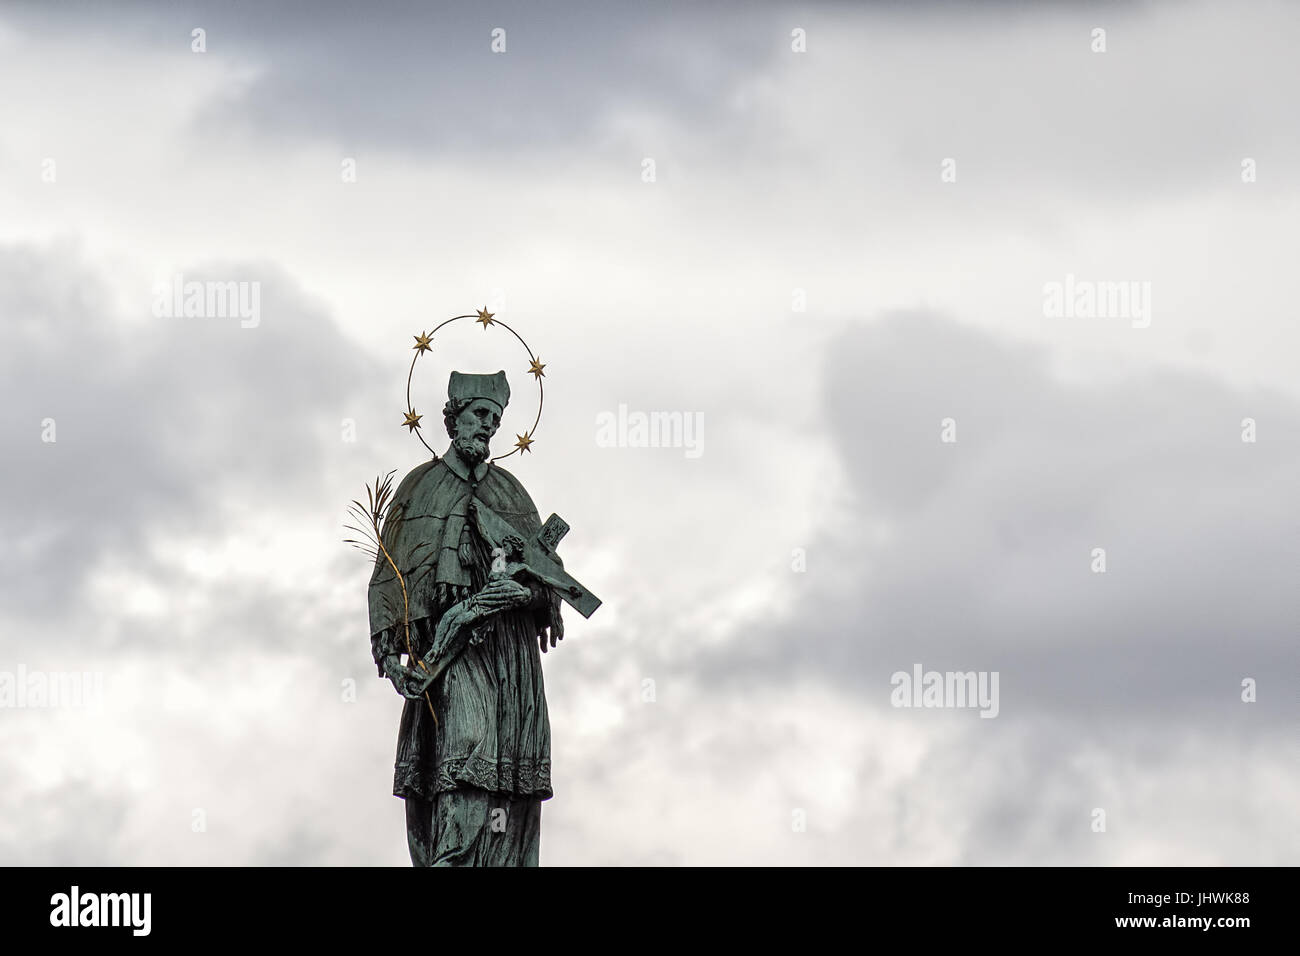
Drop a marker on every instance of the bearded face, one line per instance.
(474, 428)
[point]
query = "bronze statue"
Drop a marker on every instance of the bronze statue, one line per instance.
(468, 586)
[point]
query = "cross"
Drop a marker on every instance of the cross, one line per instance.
(539, 555)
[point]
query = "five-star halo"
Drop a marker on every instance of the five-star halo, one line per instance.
(423, 343)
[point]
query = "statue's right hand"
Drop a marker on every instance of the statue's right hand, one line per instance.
(500, 595)
(406, 681)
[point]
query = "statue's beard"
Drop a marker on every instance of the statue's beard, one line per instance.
(473, 450)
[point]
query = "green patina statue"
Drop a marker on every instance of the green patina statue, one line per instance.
(475, 604)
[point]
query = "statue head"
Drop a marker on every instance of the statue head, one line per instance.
(472, 414)
(513, 547)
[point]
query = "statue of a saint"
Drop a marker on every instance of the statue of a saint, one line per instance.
(474, 746)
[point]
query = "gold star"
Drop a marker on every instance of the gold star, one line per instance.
(524, 442)
(536, 368)
(485, 317)
(422, 342)
(412, 420)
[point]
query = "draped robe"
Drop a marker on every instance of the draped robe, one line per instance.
(492, 730)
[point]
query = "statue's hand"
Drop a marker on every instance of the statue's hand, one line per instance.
(407, 681)
(556, 629)
(502, 594)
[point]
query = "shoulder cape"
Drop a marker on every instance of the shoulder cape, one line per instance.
(423, 532)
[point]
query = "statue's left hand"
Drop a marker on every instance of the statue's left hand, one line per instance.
(556, 634)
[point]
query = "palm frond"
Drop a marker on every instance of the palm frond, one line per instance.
(376, 522)
(372, 518)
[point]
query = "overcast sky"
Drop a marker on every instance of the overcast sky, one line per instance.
(842, 247)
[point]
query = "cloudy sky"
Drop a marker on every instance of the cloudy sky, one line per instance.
(825, 231)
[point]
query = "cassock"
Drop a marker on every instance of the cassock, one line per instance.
(492, 731)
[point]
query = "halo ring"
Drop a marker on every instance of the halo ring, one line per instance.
(492, 320)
